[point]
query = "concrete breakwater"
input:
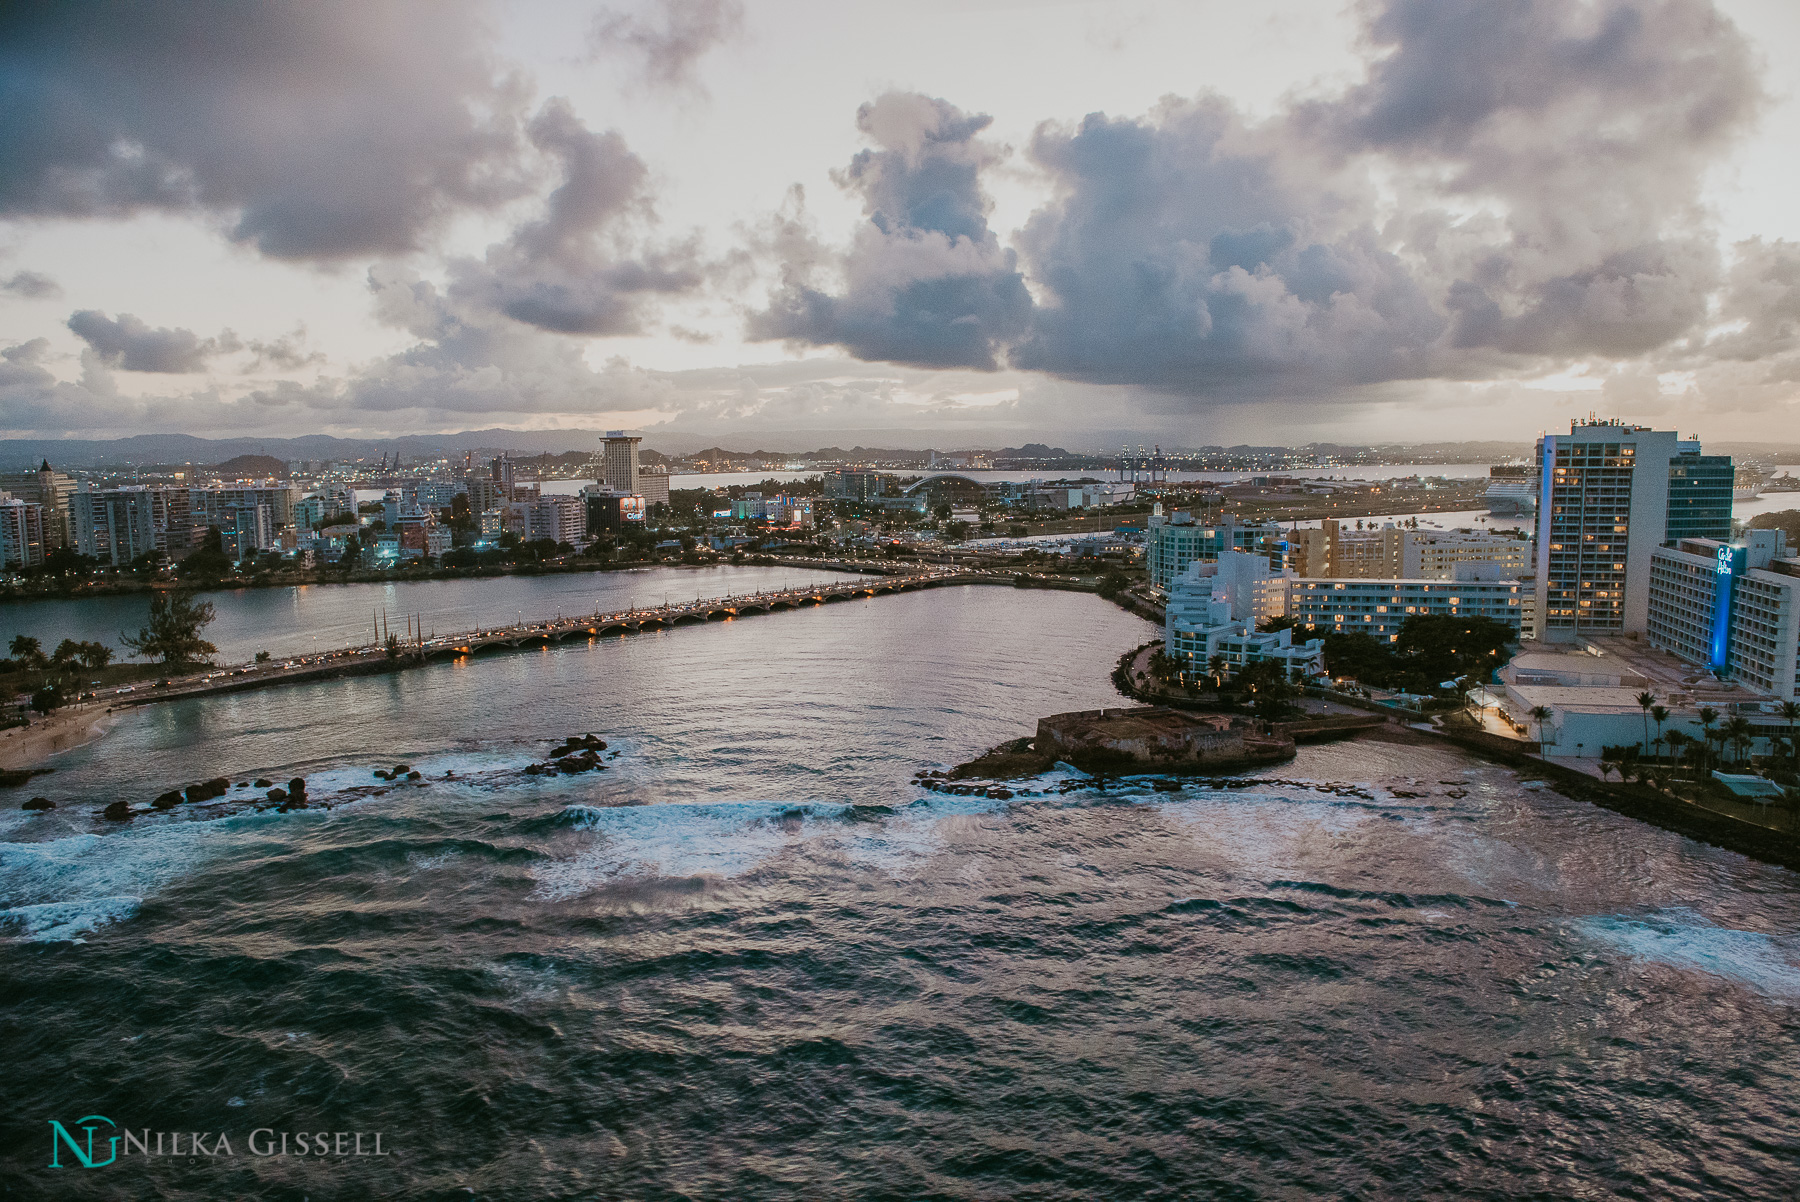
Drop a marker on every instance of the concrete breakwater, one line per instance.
(416, 650)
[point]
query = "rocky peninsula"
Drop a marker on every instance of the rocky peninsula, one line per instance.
(1132, 740)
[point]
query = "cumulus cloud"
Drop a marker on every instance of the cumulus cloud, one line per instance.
(925, 281)
(130, 345)
(32, 285)
(669, 44)
(286, 353)
(1514, 184)
(1186, 252)
(584, 267)
(319, 130)
(467, 360)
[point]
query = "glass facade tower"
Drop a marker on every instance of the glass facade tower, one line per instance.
(1700, 488)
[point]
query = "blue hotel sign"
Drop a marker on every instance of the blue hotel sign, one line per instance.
(1727, 568)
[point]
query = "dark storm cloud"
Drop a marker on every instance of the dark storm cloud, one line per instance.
(130, 345)
(583, 267)
(670, 43)
(926, 281)
(316, 130)
(1762, 300)
(32, 285)
(1515, 183)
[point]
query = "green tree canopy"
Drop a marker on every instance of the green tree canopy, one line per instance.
(1441, 646)
(27, 650)
(173, 635)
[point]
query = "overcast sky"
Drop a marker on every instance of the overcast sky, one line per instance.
(951, 224)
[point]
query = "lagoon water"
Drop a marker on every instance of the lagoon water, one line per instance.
(297, 620)
(753, 960)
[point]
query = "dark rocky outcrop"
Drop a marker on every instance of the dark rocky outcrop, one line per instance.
(169, 800)
(39, 803)
(574, 755)
(572, 764)
(12, 779)
(262, 782)
(118, 811)
(297, 787)
(278, 795)
(207, 790)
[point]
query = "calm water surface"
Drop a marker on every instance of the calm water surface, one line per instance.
(292, 621)
(752, 960)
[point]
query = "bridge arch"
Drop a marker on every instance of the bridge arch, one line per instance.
(968, 483)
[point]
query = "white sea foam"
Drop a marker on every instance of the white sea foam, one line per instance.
(675, 840)
(52, 922)
(726, 839)
(97, 871)
(1682, 938)
(914, 833)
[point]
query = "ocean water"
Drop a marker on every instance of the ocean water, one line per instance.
(752, 959)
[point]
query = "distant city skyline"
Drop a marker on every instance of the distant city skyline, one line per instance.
(957, 226)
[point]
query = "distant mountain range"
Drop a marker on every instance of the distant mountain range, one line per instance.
(169, 449)
(147, 449)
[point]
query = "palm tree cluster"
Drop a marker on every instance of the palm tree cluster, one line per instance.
(49, 677)
(28, 654)
(1723, 742)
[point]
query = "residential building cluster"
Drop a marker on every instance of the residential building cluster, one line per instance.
(871, 489)
(46, 510)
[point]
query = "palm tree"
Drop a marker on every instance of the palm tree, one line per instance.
(1708, 715)
(1645, 700)
(1541, 714)
(1740, 733)
(1790, 713)
(1659, 714)
(1216, 668)
(1677, 739)
(1631, 767)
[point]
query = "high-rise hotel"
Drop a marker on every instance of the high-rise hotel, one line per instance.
(1609, 495)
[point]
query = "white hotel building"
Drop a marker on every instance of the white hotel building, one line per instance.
(1213, 610)
(1379, 608)
(1731, 608)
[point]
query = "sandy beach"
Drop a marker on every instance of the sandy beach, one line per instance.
(30, 746)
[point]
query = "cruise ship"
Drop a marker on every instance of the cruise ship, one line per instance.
(1512, 490)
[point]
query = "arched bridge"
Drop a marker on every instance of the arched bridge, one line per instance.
(969, 482)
